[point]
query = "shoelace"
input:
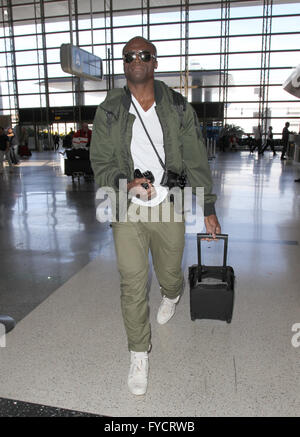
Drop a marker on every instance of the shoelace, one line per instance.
(138, 363)
(168, 301)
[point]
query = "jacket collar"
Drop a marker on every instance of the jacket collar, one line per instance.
(126, 98)
(112, 104)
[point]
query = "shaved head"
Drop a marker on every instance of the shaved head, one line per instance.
(146, 41)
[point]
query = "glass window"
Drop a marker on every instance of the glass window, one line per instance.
(245, 77)
(246, 60)
(165, 31)
(22, 12)
(54, 40)
(127, 20)
(204, 46)
(283, 42)
(246, 11)
(29, 58)
(6, 102)
(2, 60)
(57, 26)
(160, 17)
(31, 72)
(99, 36)
(280, 75)
(205, 62)
(118, 67)
(85, 37)
(24, 29)
(242, 93)
(210, 28)
(54, 70)
(25, 42)
(61, 84)
(33, 101)
(282, 24)
(168, 48)
(6, 74)
(247, 26)
(285, 59)
(97, 22)
(85, 23)
(278, 93)
(56, 9)
(2, 44)
(285, 109)
(100, 51)
(125, 34)
(94, 98)
(64, 99)
(293, 8)
(29, 86)
(53, 55)
(169, 64)
(245, 43)
(4, 88)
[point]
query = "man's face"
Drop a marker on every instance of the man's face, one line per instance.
(138, 71)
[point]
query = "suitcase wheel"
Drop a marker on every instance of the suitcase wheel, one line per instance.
(228, 321)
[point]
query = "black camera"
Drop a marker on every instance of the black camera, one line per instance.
(147, 174)
(171, 179)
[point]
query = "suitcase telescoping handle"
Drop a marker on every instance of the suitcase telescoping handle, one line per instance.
(219, 237)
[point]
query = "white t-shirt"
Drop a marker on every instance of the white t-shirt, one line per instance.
(143, 154)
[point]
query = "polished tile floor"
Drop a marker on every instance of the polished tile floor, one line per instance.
(60, 283)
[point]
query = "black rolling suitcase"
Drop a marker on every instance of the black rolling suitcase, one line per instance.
(211, 287)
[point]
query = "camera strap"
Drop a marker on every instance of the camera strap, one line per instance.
(147, 133)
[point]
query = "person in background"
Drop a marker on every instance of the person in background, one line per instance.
(285, 139)
(258, 139)
(56, 141)
(82, 138)
(23, 148)
(12, 143)
(4, 150)
(81, 143)
(298, 180)
(223, 139)
(270, 142)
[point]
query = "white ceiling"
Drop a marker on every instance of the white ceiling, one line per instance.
(59, 8)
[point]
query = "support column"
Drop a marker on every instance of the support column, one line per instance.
(224, 55)
(263, 112)
(8, 24)
(184, 30)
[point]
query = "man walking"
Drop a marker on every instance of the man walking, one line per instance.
(270, 142)
(138, 130)
(285, 139)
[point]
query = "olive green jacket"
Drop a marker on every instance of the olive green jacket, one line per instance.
(110, 155)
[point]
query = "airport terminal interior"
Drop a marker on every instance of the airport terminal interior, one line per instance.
(66, 351)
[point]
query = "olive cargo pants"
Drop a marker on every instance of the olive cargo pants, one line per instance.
(133, 239)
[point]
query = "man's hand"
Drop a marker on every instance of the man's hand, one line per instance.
(212, 226)
(136, 189)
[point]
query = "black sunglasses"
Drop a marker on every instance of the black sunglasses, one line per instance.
(144, 56)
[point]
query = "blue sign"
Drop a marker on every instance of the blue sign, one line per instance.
(79, 62)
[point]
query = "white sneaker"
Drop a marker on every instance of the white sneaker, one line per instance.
(166, 310)
(138, 373)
